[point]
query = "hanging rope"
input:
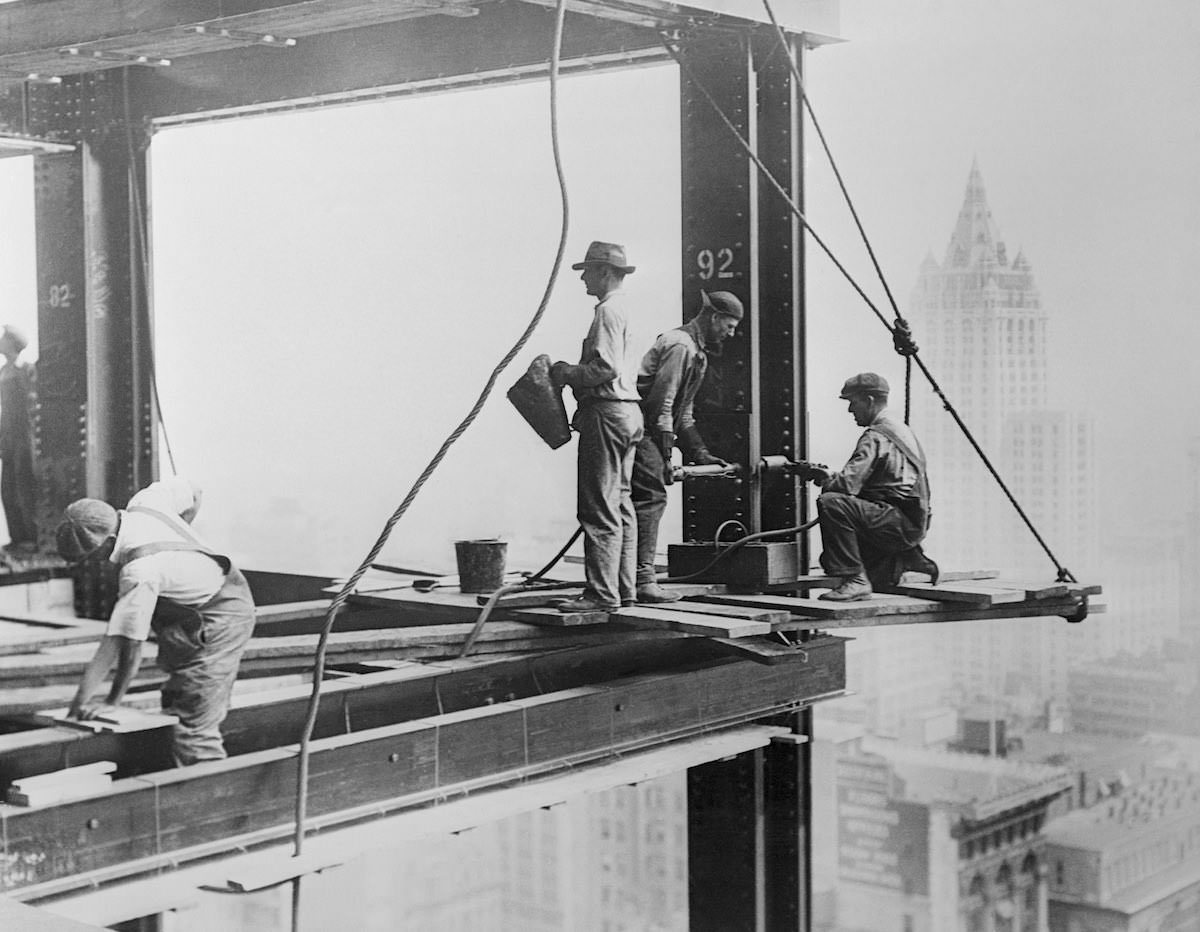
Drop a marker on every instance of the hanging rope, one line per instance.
(141, 262)
(901, 335)
(349, 585)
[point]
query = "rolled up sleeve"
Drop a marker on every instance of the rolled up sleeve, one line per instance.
(137, 596)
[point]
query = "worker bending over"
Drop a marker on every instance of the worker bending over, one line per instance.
(196, 602)
(609, 422)
(873, 513)
(670, 375)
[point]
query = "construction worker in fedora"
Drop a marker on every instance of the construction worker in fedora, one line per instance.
(670, 375)
(874, 512)
(195, 601)
(609, 423)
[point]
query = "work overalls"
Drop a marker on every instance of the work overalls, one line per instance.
(200, 647)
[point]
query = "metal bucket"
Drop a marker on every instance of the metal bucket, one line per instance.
(480, 564)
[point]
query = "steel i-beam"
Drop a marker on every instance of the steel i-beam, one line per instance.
(739, 235)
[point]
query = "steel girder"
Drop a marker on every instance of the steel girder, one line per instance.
(739, 235)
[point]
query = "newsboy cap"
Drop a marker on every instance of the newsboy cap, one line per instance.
(605, 254)
(87, 523)
(865, 383)
(723, 302)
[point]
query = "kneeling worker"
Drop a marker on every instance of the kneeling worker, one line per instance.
(671, 373)
(197, 603)
(874, 513)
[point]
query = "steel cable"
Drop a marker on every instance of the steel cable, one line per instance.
(349, 585)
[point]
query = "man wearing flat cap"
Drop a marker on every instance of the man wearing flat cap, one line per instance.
(670, 375)
(18, 482)
(609, 422)
(195, 601)
(874, 512)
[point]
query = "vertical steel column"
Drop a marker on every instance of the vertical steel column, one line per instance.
(95, 423)
(62, 368)
(749, 864)
(719, 236)
(726, 850)
(92, 307)
(739, 235)
(749, 843)
(781, 342)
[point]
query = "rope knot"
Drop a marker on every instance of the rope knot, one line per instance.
(902, 338)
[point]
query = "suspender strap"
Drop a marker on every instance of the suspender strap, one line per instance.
(190, 545)
(916, 458)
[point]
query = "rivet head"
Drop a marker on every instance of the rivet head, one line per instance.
(393, 758)
(93, 823)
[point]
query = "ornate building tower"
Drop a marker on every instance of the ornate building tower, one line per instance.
(979, 319)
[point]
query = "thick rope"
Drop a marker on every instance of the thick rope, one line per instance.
(901, 335)
(348, 587)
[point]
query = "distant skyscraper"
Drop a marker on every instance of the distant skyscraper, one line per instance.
(979, 319)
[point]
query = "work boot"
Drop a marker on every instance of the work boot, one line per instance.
(654, 594)
(852, 589)
(915, 561)
(585, 603)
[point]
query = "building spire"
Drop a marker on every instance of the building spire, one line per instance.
(976, 239)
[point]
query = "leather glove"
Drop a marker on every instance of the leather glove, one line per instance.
(703, 458)
(558, 373)
(666, 443)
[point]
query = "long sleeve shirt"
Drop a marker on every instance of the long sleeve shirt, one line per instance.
(605, 371)
(877, 469)
(670, 375)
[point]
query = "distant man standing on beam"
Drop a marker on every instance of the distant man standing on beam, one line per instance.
(195, 601)
(18, 481)
(671, 373)
(609, 422)
(873, 513)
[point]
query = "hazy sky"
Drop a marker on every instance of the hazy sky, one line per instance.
(331, 288)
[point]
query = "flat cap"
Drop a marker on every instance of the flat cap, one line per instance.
(723, 302)
(865, 383)
(599, 253)
(87, 523)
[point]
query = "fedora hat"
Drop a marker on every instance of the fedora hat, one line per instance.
(605, 254)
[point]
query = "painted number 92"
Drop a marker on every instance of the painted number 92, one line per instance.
(715, 264)
(61, 295)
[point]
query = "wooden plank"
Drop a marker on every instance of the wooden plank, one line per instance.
(973, 595)
(22, 637)
(549, 597)
(1037, 590)
(690, 622)
(877, 605)
(943, 613)
(748, 613)
(553, 618)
